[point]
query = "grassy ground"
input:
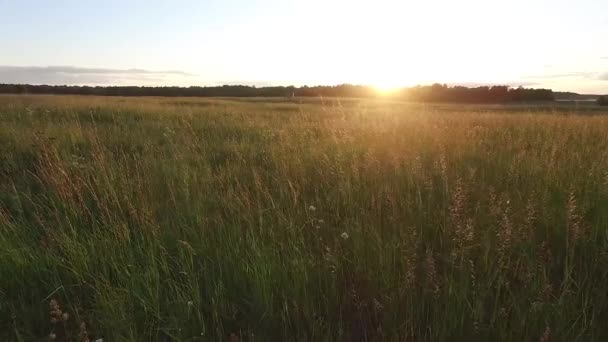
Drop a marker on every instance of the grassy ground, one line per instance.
(215, 219)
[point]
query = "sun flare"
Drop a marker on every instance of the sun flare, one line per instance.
(387, 85)
(386, 88)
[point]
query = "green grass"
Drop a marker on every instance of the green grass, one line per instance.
(215, 220)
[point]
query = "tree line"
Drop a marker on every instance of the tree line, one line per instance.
(432, 93)
(485, 94)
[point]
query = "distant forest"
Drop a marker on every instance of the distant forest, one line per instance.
(433, 93)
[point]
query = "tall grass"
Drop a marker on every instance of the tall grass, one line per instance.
(203, 220)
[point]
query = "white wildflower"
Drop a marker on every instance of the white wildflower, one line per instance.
(312, 208)
(344, 236)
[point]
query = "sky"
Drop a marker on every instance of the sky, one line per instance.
(554, 44)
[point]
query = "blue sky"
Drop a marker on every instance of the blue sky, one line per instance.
(538, 43)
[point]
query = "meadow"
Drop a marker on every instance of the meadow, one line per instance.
(184, 219)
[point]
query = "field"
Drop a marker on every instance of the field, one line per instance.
(182, 219)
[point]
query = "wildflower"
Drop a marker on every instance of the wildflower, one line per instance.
(55, 312)
(190, 303)
(344, 236)
(321, 221)
(546, 336)
(575, 228)
(53, 305)
(312, 208)
(505, 237)
(431, 273)
(52, 336)
(83, 334)
(377, 305)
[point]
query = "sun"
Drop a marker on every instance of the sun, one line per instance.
(386, 77)
(386, 86)
(385, 89)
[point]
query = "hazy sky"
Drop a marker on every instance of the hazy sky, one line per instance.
(542, 43)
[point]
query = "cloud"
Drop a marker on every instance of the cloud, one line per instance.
(603, 77)
(580, 74)
(72, 75)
